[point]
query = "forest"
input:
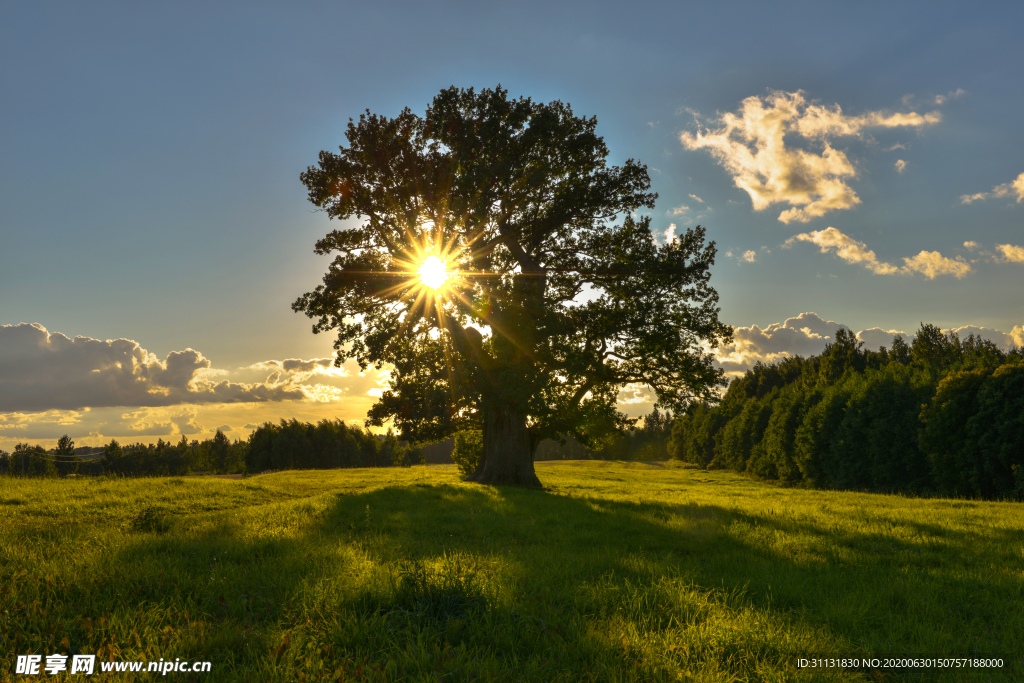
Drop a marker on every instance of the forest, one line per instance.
(940, 416)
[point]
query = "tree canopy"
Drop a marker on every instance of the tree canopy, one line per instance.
(498, 263)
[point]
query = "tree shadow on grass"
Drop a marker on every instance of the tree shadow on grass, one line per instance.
(543, 585)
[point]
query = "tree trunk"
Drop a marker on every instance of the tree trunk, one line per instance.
(508, 455)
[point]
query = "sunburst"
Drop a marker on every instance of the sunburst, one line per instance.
(434, 272)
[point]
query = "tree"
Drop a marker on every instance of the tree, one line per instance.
(113, 457)
(839, 356)
(500, 266)
(65, 446)
(67, 459)
(219, 448)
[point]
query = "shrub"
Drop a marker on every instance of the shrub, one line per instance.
(469, 448)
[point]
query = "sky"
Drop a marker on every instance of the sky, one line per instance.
(857, 164)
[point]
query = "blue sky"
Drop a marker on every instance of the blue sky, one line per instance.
(150, 156)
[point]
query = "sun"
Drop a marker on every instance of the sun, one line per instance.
(434, 272)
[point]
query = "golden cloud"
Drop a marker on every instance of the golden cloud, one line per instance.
(752, 147)
(1014, 188)
(928, 263)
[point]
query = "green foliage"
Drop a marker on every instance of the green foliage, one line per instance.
(942, 415)
(995, 434)
(326, 445)
(943, 436)
(774, 456)
(150, 519)
(437, 594)
(469, 447)
(31, 461)
(399, 453)
(518, 198)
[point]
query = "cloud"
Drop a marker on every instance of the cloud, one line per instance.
(898, 145)
(679, 210)
(225, 428)
(845, 247)
(901, 165)
(696, 199)
(932, 263)
(749, 256)
(299, 365)
(752, 147)
(956, 94)
(635, 393)
(970, 198)
(670, 233)
(1004, 340)
(1014, 188)
(185, 423)
(324, 393)
(876, 337)
(1017, 334)
(42, 371)
(808, 333)
(804, 335)
(1011, 253)
(928, 263)
(970, 245)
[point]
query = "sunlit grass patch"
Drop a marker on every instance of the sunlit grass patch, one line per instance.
(647, 573)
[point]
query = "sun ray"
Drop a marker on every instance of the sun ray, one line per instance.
(434, 272)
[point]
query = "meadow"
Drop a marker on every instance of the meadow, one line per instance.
(616, 572)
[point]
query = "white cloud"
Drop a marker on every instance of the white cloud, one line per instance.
(1014, 188)
(1011, 253)
(898, 145)
(807, 334)
(752, 147)
(928, 263)
(679, 210)
(670, 233)
(696, 199)
(41, 371)
(804, 335)
(1004, 340)
(749, 256)
(970, 245)
(901, 165)
(876, 337)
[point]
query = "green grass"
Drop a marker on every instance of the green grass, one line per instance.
(617, 572)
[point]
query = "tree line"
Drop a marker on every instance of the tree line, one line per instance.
(941, 415)
(291, 444)
(288, 445)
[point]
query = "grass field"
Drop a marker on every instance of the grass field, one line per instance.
(616, 572)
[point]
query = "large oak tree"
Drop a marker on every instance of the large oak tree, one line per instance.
(499, 265)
